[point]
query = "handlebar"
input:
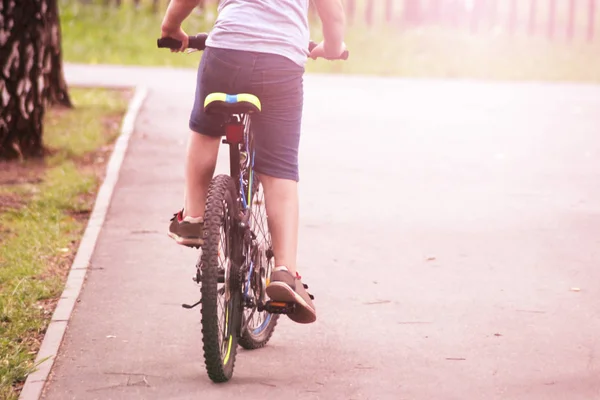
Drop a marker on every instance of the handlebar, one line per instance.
(198, 42)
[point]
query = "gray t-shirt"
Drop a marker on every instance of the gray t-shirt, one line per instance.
(266, 26)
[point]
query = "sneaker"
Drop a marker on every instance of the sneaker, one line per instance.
(186, 231)
(288, 288)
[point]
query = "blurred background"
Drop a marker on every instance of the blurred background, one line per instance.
(482, 39)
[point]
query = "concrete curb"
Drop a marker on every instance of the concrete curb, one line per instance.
(34, 385)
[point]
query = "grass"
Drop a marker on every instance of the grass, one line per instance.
(99, 34)
(41, 229)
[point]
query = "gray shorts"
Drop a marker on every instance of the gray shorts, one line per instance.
(277, 82)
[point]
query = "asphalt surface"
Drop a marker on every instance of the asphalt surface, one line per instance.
(450, 233)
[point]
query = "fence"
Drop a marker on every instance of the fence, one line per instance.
(552, 18)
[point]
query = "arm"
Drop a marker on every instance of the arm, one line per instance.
(333, 19)
(177, 12)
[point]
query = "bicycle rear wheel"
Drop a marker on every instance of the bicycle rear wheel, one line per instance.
(260, 325)
(220, 277)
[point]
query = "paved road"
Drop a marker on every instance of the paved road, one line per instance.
(443, 226)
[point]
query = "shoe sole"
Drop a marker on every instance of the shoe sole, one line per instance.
(278, 291)
(186, 241)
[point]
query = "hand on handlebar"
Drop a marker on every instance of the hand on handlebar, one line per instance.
(177, 34)
(321, 51)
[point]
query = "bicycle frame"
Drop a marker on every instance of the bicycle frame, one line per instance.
(240, 162)
(238, 135)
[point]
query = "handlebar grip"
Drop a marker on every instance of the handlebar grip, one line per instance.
(343, 56)
(168, 43)
(197, 42)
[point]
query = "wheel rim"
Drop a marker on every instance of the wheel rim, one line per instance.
(224, 290)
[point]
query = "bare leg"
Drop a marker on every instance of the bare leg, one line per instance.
(281, 201)
(201, 160)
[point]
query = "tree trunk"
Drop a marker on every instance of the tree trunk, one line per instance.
(532, 17)
(591, 19)
(389, 11)
(434, 12)
(551, 19)
(369, 11)
(412, 12)
(21, 83)
(31, 74)
(56, 92)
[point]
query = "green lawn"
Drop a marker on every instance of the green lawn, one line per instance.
(99, 34)
(42, 216)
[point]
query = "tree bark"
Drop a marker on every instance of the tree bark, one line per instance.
(56, 91)
(30, 74)
(21, 86)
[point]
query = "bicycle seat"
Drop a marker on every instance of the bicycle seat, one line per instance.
(223, 103)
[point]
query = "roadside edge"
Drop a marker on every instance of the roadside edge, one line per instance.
(34, 384)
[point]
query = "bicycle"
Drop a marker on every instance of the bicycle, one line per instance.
(236, 258)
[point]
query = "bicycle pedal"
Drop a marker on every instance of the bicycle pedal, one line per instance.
(279, 307)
